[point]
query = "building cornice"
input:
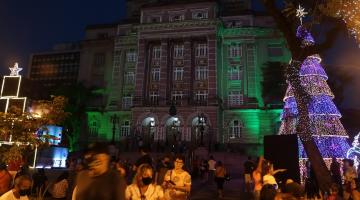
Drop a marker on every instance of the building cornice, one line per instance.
(126, 40)
(248, 31)
(178, 25)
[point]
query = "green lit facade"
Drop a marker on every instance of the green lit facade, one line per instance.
(242, 52)
(239, 119)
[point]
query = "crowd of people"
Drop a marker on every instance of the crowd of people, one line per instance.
(261, 182)
(101, 176)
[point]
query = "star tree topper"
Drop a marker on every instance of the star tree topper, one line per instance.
(15, 70)
(300, 13)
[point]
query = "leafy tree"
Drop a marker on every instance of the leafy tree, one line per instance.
(21, 127)
(79, 97)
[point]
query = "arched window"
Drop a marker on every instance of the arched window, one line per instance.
(236, 129)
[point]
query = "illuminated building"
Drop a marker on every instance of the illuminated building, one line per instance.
(208, 66)
(55, 68)
(203, 57)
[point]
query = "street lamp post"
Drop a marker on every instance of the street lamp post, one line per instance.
(114, 120)
(202, 125)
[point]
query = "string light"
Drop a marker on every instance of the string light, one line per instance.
(354, 152)
(325, 126)
(303, 169)
(347, 10)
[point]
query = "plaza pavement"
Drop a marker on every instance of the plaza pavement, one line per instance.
(233, 190)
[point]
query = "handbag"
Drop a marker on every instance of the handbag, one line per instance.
(227, 177)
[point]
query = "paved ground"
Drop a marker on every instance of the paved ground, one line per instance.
(207, 190)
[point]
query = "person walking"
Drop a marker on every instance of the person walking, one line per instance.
(5, 179)
(349, 175)
(40, 181)
(143, 187)
(177, 182)
(99, 181)
(336, 174)
(21, 189)
(145, 158)
(220, 173)
(212, 167)
(60, 187)
(204, 169)
(249, 167)
(257, 178)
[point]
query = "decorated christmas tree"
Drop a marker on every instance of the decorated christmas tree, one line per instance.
(326, 128)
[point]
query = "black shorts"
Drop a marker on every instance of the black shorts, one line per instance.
(220, 182)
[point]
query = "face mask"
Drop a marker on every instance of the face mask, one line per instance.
(24, 192)
(167, 163)
(147, 180)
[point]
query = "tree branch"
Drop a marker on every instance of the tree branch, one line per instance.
(284, 26)
(328, 43)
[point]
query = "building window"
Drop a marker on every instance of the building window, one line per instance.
(93, 128)
(201, 50)
(275, 50)
(178, 51)
(201, 73)
(178, 73)
(154, 19)
(156, 52)
(200, 14)
(201, 96)
(113, 102)
(131, 56)
(155, 74)
(99, 59)
(235, 51)
(235, 98)
(176, 18)
(154, 98)
(125, 129)
(236, 129)
(129, 78)
(177, 96)
(235, 73)
(127, 102)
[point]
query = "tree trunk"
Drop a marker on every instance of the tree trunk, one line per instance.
(303, 128)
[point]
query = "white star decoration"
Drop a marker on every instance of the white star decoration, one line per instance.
(15, 70)
(300, 13)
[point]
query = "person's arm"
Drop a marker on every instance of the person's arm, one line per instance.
(259, 165)
(73, 197)
(187, 185)
(278, 170)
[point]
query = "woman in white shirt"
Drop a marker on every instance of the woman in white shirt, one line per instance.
(177, 182)
(269, 178)
(143, 187)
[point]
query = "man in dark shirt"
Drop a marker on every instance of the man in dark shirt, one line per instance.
(161, 169)
(145, 158)
(99, 181)
(249, 167)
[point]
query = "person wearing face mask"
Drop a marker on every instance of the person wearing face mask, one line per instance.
(177, 182)
(99, 181)
(162, 168)
(20, 191)
(143, 187)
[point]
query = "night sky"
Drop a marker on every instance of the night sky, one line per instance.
(35, 26)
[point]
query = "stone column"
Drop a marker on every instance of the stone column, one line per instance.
(163, 72)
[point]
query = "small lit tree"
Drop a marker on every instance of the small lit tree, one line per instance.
(19, 128)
